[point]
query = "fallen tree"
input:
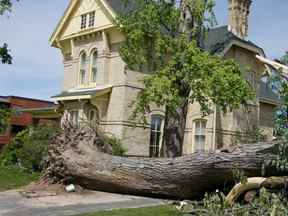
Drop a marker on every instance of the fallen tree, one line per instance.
(256, 183)
(80, 156)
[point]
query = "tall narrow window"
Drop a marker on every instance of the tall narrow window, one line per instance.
(200, 135)
(91, 19)
(83, 21)
(74, 118)
(94, 57)
(93, 116)
(155, 136)
(251, 77)
(82, 69)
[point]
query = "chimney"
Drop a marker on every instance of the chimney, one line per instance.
(239, 17)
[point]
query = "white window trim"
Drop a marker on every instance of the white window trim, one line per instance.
(91, 66)
(156, 131)
(194, 133)
(71, 117)
(83, 17)
(81, 69)
(88, 16)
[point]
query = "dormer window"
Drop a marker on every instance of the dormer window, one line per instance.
(91, 19)
(88, 18)
(84, 21)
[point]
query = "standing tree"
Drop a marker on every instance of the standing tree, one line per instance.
(284, 59)
(5, 57)
(164, 38)
(5, 114)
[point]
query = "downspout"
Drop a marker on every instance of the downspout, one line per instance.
(214, 129)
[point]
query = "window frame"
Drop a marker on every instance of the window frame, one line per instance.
(199, 134)
(91, 20)
(252, 78)
(93, 65)
(157, 132)
(71, 117)
(82, 69)
(96, 114)
(83, 23)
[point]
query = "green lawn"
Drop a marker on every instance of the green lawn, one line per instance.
(13, 178)
(151, 211)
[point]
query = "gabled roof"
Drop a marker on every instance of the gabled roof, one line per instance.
(112, 7)
(219, 39)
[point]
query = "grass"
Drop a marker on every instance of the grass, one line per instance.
(151, 211)
(13, 178)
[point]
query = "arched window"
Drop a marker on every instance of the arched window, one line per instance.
(200, 135)
(74, 118)
(93, 115)
(82, 74)
(94, 57)
(155, 135)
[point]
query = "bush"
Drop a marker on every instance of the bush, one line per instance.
(28, 149)
(215, 204)
(116, 145)
(4, 117)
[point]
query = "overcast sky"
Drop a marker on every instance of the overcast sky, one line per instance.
(37, 69)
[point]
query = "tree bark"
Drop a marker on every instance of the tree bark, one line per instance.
(175, 123)
(174, 131)
(76, 157)
(256, 183)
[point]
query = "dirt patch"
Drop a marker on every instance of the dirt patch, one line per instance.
(43, 189)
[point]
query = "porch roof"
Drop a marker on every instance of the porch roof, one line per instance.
(50, 112)
(82, 94)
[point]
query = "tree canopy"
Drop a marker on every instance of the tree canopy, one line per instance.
(284, 59)
(5, 57)
(164, 39)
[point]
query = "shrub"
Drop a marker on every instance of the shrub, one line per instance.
(116, 145)
(4, 117)
(215, 204)
(29, 148)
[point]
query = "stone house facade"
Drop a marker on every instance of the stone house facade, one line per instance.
(99, 88)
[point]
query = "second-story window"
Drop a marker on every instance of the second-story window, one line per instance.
(91, 19)
(84, 21)
(82, 74)
(94, 57)
(251, 77)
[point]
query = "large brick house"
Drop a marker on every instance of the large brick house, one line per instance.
(98, 86)
(20, 119)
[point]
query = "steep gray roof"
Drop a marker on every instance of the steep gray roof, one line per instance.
(218, 38)
(121, 7)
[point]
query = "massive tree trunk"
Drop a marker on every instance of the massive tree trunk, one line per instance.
(174, 130)
(76, 156)
(175, 122)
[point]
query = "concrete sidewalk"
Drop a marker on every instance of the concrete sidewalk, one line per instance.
(12, 203)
